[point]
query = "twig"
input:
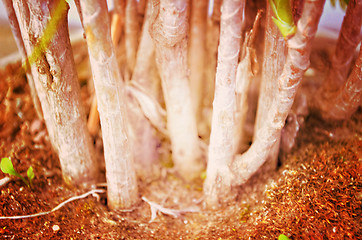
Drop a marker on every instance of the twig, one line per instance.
(93, 191)
(168, 211)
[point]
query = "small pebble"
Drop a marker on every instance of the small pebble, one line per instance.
(56, 228)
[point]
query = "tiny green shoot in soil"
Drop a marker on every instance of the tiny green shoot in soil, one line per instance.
(7, 167)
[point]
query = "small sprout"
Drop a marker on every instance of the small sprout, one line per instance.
(7, 167)
(31, 175)
(283, 17)
(283, 237)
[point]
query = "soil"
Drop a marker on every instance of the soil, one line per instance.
(314, 194)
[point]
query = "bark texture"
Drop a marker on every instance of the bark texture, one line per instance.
(144, 76)
(297, 62)
(275, 52)
(168, 28)
(343, 103)
(14, 25)
(122, 188)
(348, 40)
(57, 85)
(145, 67)
(219, 177)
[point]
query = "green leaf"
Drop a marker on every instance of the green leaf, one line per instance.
(30, 174)
(283, 237)
(283, 17)
(7, 167)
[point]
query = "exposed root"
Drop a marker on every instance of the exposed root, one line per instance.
(155, 208)
(92, 192)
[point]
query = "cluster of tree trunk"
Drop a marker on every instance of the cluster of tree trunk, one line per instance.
(187, 77)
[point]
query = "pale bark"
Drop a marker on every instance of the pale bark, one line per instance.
(238, 170)
(122, 189)
(132, 29)
(212, 42)
(144, 134)
(219, 177)
(297, 62)
(275, 52)
(197, 53)
(145, 67)
(168, 28)
(343, 103)
(14, 25)
(58, 89)
(93, 119)
(348, 40)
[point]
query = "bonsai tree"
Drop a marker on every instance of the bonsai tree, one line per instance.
(193, 85)
(226, 170)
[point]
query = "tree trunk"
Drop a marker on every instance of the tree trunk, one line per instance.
(348, 40)
(122, 189)
(212, 42)
(275, 52)
(197, 54)
(219, 176)
(144, 75)
(343, 103)
(145, 67)
(57, 85)
(131, 34)
(168, 28)
(14, 25)
(297, 62)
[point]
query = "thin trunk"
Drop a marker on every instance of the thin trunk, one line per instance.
(348, 40)
(144, 134)
(118, 19)
(343, 103)
(14, 25)
(275, 52)
(93, 119)
(197, 54)
(168, 28)
(122, 189)
(145, 67)
(212, 42)
(131, 34)
(142, 6)
(58, 89)
(299, 48)
(219, 176)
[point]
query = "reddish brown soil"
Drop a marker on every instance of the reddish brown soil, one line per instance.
(315, 194)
